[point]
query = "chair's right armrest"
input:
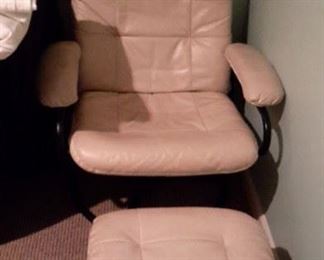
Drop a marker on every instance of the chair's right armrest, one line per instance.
(260, 82)
(58, 75)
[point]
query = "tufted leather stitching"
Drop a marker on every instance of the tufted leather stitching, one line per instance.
(108, 241)
(141, 244)
(225, 247)
(182, 239)
(109, 32)
(94, 11)
(190, 62)
(200, 82)
(140, 233)
(151, 68)
(198, 112)
(229, 235)
(118, 109)
(190, 39)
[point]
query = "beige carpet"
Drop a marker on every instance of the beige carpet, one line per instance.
(64, 240)
(38, 220)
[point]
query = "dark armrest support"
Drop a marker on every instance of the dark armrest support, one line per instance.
(237, 97)
(63, 128)
(266, 123)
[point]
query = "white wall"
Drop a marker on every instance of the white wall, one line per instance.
(291, 34)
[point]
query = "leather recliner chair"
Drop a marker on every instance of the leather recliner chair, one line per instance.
(148, 81)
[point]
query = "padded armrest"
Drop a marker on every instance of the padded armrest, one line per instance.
(58, 75)
(260, 82)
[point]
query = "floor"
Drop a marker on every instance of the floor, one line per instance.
(39, 221)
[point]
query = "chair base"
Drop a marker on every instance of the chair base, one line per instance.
(76, 195)
(87, 189)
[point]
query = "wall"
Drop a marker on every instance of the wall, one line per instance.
(291, 179)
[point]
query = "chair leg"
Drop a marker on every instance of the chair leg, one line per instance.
(67, 166)
(76, 194)
(134, 200)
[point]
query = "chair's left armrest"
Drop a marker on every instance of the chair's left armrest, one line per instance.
(260, 82)
(58, 75)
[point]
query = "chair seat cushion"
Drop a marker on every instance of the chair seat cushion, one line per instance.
(178, 233)
(166, 134)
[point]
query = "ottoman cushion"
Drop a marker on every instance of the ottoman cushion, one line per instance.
(178, 234)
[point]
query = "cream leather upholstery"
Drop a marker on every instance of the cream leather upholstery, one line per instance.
(133, 47)
(160, 134)
(178, 233)
(152, 82)
(153, 45)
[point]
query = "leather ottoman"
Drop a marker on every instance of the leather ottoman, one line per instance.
(178, 234)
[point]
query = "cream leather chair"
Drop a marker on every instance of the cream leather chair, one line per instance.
(147, 81)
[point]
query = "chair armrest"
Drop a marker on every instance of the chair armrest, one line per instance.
(260, 82)
(58, 75)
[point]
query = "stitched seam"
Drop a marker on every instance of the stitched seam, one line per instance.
(94, 11)
(198, 111)
(161, 241)
(112, 241)
(166, 130)
(6, 48)
(235, 68)
(155, 36)
(190, 41)
(140, 233)
(223, 20)
(116, 78)
(183, 239)
(241, 78)
(119, 45)
(118, 110)
(176, 129)
(152, 63)
(225, 248)
(117, 17)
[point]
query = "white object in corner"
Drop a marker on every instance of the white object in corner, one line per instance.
(17, 5)
(15, 18)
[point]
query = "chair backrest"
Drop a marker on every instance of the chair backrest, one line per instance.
(153, 46)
